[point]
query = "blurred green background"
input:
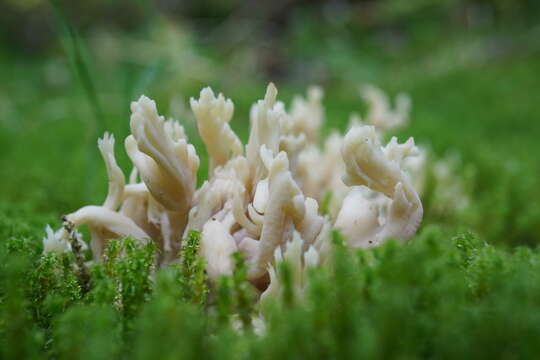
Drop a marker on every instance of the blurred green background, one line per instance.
(70, 69)
(467, 286)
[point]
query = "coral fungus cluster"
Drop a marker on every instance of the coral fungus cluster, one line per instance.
(262, 199)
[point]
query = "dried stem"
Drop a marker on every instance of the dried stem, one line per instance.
(83, 274)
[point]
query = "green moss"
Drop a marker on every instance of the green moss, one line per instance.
(438, 296)
(192, 277)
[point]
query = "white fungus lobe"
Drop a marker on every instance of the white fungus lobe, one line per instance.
(275, 199)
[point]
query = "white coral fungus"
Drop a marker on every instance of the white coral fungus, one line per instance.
(263, 200)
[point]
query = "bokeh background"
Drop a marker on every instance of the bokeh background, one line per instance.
(69, 70)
